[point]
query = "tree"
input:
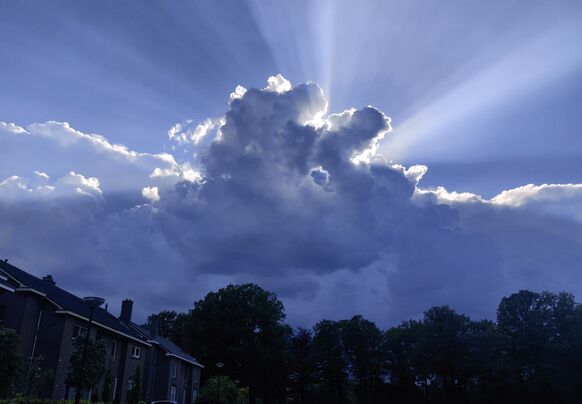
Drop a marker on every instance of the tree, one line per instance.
(218, 389)
(403, 360)
(331, 361)
(171, 325)
(363, 343)
(302, 370)
(35, 378)
(86, 365)
(243, 327)
(134, 394)
(484, 363)
(446, 343)
(9, 361)
(539, 337)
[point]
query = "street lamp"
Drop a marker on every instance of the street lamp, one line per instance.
(219, 365)
(92, 302)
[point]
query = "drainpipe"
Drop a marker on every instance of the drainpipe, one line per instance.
(32, 355)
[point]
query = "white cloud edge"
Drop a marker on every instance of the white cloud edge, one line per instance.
(186, 133)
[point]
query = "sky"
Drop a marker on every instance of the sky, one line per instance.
(373, 157)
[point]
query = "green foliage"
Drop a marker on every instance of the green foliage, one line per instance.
(87, 363)
(218, 389)
(171, 325)
(36, 379)
(9, 361)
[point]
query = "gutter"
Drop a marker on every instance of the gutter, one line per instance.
(185, 360)
(70, 313)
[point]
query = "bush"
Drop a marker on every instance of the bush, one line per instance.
(228, 392)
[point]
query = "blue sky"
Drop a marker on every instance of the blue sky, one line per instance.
(487, 95)
(129, 71)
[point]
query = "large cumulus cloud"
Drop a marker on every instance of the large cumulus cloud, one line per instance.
(277, 191)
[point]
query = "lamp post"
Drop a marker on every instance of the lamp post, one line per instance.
(92, 302)
(219, 365)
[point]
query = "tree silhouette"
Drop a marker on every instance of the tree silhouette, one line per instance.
(9, 361)
(86, 364)
(242, 326)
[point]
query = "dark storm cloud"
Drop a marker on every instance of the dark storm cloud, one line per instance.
(298, 202)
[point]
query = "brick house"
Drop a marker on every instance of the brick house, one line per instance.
(172, 373)
(47, 320)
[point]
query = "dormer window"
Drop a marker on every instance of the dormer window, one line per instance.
(136, 352)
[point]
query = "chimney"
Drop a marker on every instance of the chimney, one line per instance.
(49, 279)
(154, 323)
(126, 308)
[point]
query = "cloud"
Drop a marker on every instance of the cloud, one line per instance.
(55, 148)
(277, 84)
(281, 193)
(185, 132)
(151, 194)
(16, 188)
(11, 128)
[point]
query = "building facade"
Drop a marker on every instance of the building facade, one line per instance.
(172, 373)
(48, 319)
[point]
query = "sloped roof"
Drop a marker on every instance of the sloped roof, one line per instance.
(168, 346)
(5, 284)
(66, 302)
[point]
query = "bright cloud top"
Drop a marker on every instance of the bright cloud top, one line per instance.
(276, 191)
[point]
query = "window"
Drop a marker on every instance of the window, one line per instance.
(79, 331)
(130, 385)
(2, 313)
(173, 393)
(113, 350)
(114, 389)
(136, 352)
(176, 368)
(184, 397)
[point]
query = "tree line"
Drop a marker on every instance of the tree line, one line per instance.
(532, 353)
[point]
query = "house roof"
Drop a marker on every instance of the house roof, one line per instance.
(168, 346)
(5, 285)
(67, 303)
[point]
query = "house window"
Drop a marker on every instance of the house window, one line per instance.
(194, 395)
(184, 397)
(130, 385)
(175, 369)
(113, 350)
(136, 352)
(79, 331)
(173, 393)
